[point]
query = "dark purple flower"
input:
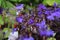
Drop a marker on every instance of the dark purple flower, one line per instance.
(57, 9)
(55, 4)
(41, 6)
(31, 21)
(47, 12)
(19, 19)
(1, 9)
(39, 13)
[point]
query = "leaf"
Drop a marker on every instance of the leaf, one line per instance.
(1, 35)
(6, 19)
(44, 2)
(13, 0)
(3, 4)
(7, 30)
(57, 1)
(19, 0)
(9, 5)
(51, 2)
(1, 20)
(12, 11)
(0, 2)
(36, 1)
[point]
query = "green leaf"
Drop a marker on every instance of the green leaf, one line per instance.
(1, 20)
(9, 5)
(7, 30)
(0, 2)
(19, 0)
(13, 0)
(3, 4)
(12, 11)
(51, 2)
(1, 35)
(44, 2)
(6, 19)
(57, 1)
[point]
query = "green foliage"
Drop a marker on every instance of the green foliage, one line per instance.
(0, 2)
(9, 5)
(6, 19)
(7, 30)
(13, 0)
(51, 2)
(12, 11)
(6, 4)
(1, 20)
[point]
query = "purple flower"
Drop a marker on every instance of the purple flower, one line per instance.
(47, 12)
(14, 29)
(41, 25)
(49, 33)
(30, 38)
(57, 9)
(55, 4)
(41, 6)
(43, 32)
(1, 9)
(39, 13)
(57, 14)
(20, 6)
(50, 17)
(19, 19)
(31, 21)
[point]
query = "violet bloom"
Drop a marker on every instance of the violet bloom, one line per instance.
(47, 12)
(31, 21)
(40, 25)
(23, 27)
(50, 17)
(14, 30)
(37, 24)
(57, 14)
(55, 4)
(19, 19)
(20, 6)
(30, 38)
(41, 6)
(43, 32)
(1, 9)
(39, 13)
(49, 33)
(57, 9)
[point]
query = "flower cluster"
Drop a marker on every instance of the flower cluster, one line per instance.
(38, 19)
